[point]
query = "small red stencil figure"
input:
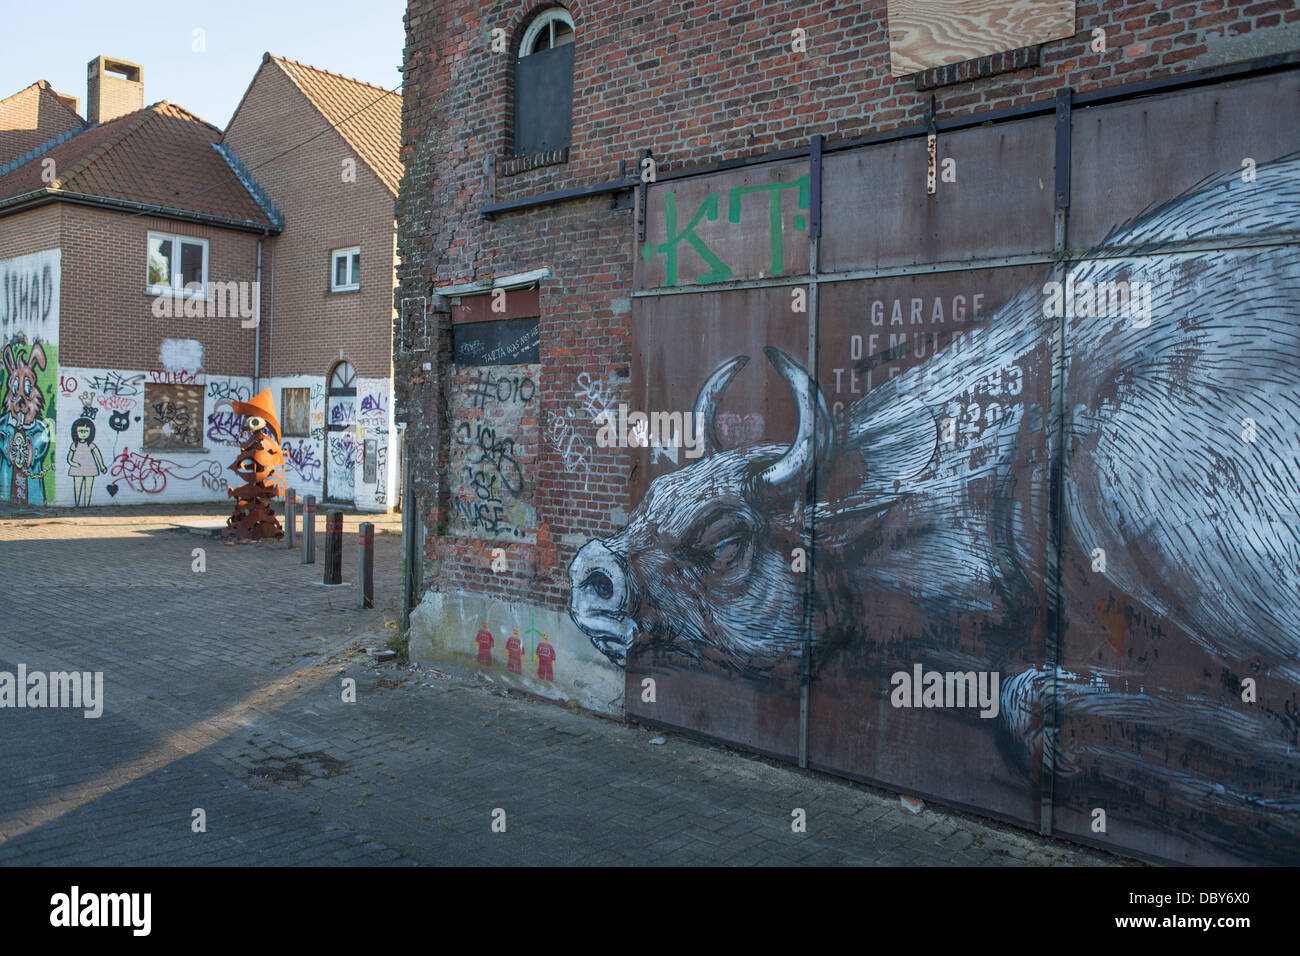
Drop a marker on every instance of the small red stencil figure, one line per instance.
(515, 648)
(545, 658)
(484, 641)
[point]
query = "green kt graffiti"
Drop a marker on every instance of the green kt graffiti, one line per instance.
(718, 270)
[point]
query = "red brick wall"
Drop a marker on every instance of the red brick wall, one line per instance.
(322, 213)
(30, 118)
(31, 231)
(106, 318)
(713, 81)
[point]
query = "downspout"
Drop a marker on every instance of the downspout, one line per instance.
(257, 337)
(270, 330)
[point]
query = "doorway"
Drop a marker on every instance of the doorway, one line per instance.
(340, 434)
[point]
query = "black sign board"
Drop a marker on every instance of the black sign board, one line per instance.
(506, 342)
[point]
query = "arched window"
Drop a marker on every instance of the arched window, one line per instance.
(544, 83)
(549, 29)
(344, 376)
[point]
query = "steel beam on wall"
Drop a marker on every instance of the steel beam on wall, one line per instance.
(808, 535)
(1054, 626)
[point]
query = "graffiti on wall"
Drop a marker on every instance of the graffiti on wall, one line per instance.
(84, 459)
(29, 375)
(533, 647)
(737, 236)
(129, 439)
(1179, 490)
(381, 471)
(27, 428)
(570, 431)
(145, 473)
(493, 447)
(173, 416)
(342, 452)
(106, 400)
(300, 458)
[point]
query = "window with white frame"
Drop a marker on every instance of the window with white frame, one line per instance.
(551, 28)
(177, 265)
(346, 274)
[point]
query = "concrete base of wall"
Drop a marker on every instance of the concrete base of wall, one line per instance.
(445, 626)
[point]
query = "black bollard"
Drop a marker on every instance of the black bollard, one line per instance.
(366, 557)
(290, 517)
(334, 547)
(309, 531)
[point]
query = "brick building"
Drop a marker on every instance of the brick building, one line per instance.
(329, 321)
(138, 259)
(610, 206)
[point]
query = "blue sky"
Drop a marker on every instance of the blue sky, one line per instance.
(54, 41)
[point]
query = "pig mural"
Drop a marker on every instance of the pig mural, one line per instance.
(25, 435)
(1181, 462)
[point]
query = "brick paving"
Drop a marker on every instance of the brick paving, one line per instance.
(224, 691)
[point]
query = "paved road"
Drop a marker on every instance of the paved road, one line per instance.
(224, 692)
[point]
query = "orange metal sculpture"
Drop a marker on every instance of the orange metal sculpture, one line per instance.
(261, 465)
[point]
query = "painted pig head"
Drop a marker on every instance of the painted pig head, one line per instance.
(703, 568)
(23, 400)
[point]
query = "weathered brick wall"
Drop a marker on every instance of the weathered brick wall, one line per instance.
(697, 83)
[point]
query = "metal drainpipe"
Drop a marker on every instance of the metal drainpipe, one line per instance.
(270, 328)
(257, 335)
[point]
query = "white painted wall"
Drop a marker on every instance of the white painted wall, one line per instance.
(134, 474)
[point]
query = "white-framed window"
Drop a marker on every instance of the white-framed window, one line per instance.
(550, 29)
(177, 265)
(345, 276)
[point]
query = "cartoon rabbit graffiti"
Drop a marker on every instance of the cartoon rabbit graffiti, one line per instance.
(25, 432)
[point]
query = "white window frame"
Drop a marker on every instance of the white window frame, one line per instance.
(345, 254)
(174, 287)
(545, 21)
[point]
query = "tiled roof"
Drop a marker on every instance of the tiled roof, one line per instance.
(31, 117)
(368, 117)
(162, 155)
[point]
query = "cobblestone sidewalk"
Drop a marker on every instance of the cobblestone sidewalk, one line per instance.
(225, 692)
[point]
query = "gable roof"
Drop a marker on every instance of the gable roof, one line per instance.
(162, 156)
(368, 117)
(33, 116)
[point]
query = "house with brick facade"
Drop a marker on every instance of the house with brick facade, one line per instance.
(143, 279)
(325, 148)
(793, 241)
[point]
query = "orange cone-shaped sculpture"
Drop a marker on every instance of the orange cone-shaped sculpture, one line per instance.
(261, 466)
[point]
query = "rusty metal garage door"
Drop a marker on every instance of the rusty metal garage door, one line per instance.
(994, 498)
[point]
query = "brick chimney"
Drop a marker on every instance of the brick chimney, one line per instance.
(113, 88)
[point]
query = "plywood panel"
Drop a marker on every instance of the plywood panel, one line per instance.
(926, 33)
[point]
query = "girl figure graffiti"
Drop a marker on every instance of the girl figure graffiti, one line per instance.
(85, 462)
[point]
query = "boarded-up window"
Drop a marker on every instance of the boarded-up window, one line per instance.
(544, 84)
(926, 33)
(295, 409)
(173, 416)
